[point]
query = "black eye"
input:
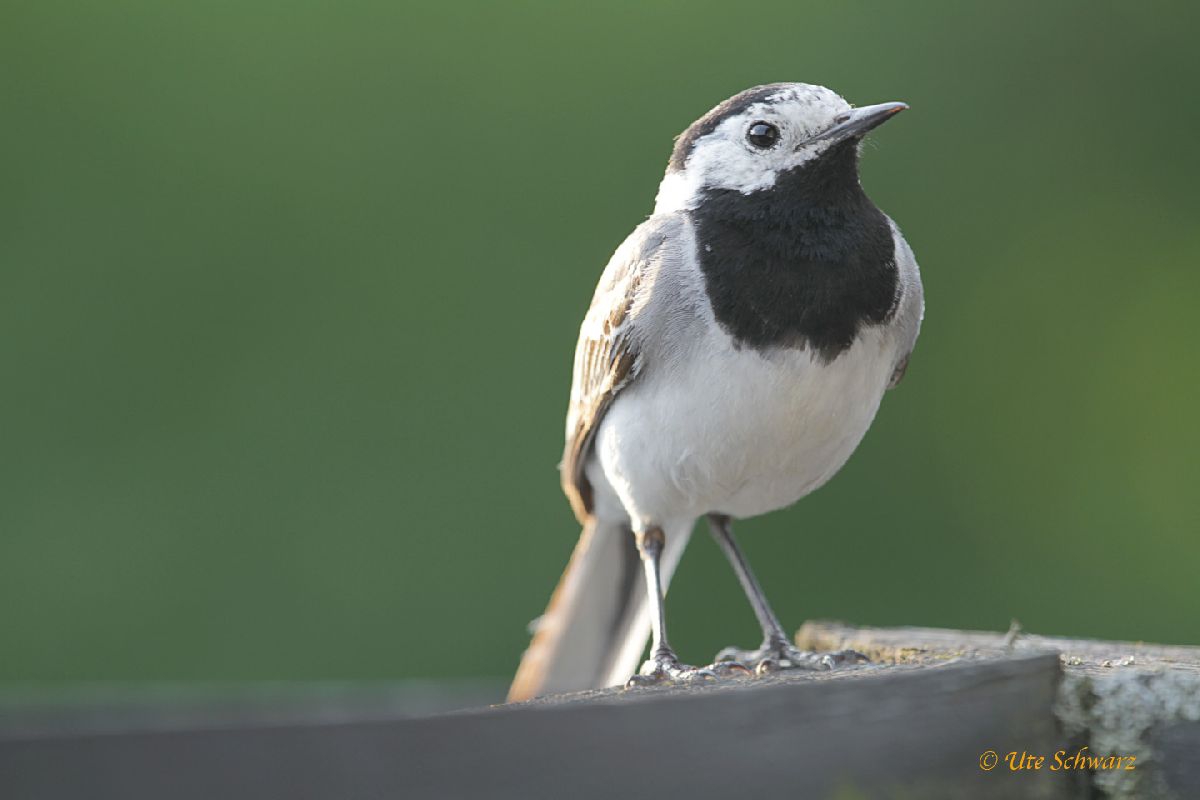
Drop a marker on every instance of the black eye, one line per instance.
(763, 134)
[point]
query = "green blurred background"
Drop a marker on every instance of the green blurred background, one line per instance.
(289, 293)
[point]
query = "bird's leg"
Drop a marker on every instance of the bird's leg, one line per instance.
(776, 651)
(663, 665)
(650, 545)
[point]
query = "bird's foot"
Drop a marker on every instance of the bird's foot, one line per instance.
(780, 654)
(663, 667)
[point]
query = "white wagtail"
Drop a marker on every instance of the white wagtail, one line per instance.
(736, 350)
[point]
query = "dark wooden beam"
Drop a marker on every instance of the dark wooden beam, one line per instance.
(874, 731)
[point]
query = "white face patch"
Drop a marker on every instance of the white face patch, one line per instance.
(725, 159)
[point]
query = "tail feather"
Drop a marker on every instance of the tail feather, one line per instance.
(594, 631)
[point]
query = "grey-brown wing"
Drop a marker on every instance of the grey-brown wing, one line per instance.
(607, 356)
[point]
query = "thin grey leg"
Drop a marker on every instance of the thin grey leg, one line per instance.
(663, 665)
(722, 531)
(650, 545)
(776, 650)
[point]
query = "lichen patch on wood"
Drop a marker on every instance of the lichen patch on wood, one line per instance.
(1115, 698)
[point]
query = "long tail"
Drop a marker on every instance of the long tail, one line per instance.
(595, 629)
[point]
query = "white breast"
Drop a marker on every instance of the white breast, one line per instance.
(737, 432)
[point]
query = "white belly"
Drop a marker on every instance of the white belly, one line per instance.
(739, 433)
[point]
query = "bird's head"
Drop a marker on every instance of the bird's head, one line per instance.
(747, 142)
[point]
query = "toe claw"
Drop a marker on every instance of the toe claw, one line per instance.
(772, 657)
(729, 654)
(843, 657)
(730, 669)
(655, 673)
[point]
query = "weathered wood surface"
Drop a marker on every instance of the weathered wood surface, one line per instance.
(927, 645)
(1117, 698)
(912, 724)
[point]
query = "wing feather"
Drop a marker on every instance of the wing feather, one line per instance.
(607, 357)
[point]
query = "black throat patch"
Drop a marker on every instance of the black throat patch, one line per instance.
(805, 264)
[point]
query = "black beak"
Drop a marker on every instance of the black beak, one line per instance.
(856, 122)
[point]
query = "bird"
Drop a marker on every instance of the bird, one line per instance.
(736, 350)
